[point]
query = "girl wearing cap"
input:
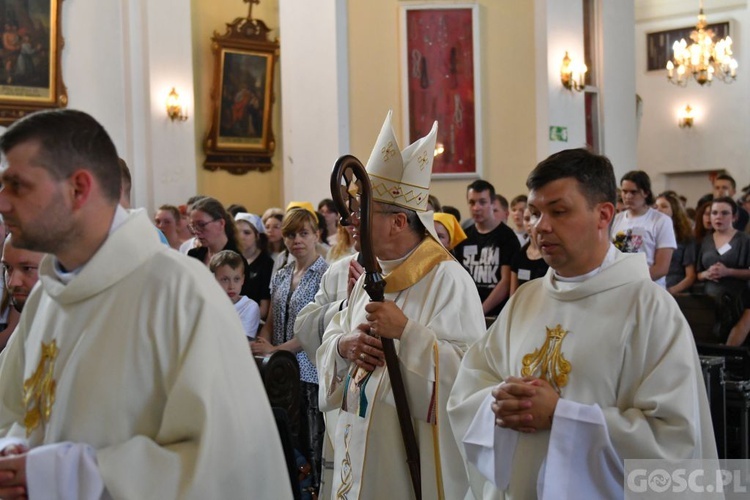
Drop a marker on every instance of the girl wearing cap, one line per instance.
(448, 230)
(253, 237)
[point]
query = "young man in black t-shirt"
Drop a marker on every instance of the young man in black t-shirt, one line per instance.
(488, 249)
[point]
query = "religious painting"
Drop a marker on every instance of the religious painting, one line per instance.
(30, 73)
(440, 64)
(245, 105)
(241, 136)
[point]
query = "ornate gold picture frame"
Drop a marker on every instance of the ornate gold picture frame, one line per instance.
(30, 69)
(241, 137)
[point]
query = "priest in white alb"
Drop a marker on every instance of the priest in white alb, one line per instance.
(586, 367)
(128, 375)
(433, 312)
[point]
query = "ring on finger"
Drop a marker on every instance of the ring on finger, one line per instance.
(362, 356)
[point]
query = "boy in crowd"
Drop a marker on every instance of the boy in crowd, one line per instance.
(517, 207)
(229, 270)
(488, 249)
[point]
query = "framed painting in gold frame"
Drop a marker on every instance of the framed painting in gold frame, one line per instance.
(30, 69)
(241, 137)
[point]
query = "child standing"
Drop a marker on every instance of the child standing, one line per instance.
(229, 270)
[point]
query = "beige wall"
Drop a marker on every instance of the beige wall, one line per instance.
(508, 128)
(507, 79)
(256, 190)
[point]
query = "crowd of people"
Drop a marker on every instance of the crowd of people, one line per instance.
(535, 270)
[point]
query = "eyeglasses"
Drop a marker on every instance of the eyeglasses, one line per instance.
(199, 227)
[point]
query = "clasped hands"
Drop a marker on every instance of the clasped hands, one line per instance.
(716, 272)
(363, 346)
(13, 472)
(524, 404)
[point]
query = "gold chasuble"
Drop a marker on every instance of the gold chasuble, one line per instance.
(444, 312)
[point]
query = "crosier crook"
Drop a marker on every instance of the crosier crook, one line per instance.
(349, 179)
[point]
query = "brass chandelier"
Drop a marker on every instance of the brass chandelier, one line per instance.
(703, 59)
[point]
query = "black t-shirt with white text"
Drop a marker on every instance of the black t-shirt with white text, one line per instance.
(483, 255)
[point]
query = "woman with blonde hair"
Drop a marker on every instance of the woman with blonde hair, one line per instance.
(344, 245)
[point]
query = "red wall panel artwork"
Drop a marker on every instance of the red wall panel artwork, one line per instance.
(440, 65)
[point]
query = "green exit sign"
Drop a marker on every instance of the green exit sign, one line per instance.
(559, 134)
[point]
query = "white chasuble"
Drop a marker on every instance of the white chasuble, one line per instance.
(150, 368)
(445, 317)
(623, 358)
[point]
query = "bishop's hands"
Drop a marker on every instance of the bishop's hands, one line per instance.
(524, 404)
(13, 472)
(361, 348)
(386, 319)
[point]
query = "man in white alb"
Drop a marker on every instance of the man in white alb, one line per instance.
(128, 375)
(586, 367)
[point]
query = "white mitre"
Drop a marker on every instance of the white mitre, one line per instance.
(402, 178)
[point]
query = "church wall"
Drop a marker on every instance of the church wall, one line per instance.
(718, 139)
(256, 190)
(119, 64)
(507, 82)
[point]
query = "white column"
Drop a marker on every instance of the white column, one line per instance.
(157, 44)
(618, 84)
(315, 94)
(119, 62)
(559, 28)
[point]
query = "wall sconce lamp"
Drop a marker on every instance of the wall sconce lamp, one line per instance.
(685, 117)
(573, 74)
(175, 109)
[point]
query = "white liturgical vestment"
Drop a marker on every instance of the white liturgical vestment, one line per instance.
(444, 317)
(629, 378)
(142, 358)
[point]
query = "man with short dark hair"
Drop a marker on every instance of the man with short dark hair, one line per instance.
(500, 208)
(517, 208)
(725, 185)
(20, 272)
(488, 249)
(589, 366)
(109, 386)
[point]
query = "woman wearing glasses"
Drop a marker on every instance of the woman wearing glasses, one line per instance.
(215, 231)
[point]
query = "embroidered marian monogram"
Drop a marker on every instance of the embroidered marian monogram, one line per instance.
(548, 361)
(346, 467)
(39, 389)
(388, 151)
